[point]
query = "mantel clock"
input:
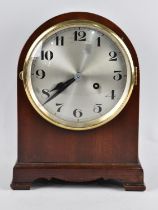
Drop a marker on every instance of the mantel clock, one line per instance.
(78, 104)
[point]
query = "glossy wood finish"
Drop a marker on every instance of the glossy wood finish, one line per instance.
(108, 152)
(130, 175)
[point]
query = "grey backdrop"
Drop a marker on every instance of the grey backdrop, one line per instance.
(139, 20)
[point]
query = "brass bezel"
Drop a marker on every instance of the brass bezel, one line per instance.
(101, 120)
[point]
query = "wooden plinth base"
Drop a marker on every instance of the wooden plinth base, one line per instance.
(130, 175)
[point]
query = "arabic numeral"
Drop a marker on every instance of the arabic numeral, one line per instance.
(46, 55)
(79, 36)
(97, 108)
(46, 92)
(77, 113)
(112, 95)
(117, 75)
(98, 41)
(59, 107)
(40, 74)
(59, 40)
(113, 56)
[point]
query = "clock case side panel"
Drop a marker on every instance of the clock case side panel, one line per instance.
(38, 152)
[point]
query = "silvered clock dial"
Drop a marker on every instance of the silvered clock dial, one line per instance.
(78, 75)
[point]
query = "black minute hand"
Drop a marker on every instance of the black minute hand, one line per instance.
(60, 88)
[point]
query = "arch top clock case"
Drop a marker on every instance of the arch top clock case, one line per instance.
(78, 104)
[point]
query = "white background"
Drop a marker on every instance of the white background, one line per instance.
(139, 20)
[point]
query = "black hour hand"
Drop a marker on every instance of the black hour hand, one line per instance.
(60, 87)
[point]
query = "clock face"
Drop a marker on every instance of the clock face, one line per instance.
(78, 75)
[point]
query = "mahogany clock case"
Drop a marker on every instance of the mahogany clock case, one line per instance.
(107, 152)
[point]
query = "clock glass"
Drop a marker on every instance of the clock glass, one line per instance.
(78, 75)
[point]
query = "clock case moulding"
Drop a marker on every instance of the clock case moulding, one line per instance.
(107, 152)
